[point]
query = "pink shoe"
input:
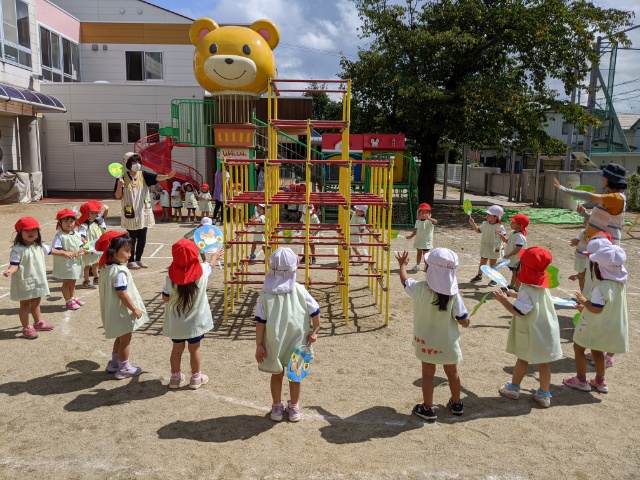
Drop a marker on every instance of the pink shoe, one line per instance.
(72, 305)
(608, 361)
(29, 332)
(589, 356)
(42, 326)
(601, 387)
(575, 382)
(78, 301)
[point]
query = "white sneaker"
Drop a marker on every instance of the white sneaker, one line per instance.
(127, 371)
(416, 267)
(133, 266)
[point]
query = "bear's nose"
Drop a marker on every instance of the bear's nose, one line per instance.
(228, 61)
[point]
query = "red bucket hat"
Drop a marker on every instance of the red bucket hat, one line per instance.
(27, 223)
(522, 220)
(104, 242)
(185, 267)
(533, 266)
(205, 186)
(90, 206)
(67, 212)
(424, 206)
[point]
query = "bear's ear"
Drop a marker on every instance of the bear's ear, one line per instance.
(200, 28)
(267, 30)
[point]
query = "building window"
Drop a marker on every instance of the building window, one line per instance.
(565, 128)
(143, 66)
(95, 132)
(133, 132)
(152, 128)
(75, 132)
(16, 37)
(59, 57)
(114, 131)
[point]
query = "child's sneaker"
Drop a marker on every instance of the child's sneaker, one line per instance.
(176, 380)
(457, 408)
(197, 382)
(72, 305)
(302, 260)
(88, 284)
(78, 301)
(42, 326)
(416, 267)
(276, 412)
(127, 371)
(608, 361)
(428, 414)
(29, 332)
(575, 382)
(509, 390)
(601, 387)
(493, 283)
(113, 366)
(542, 398)
(477, 278)
(95, 280)
(293, 410)
(589, 356)
(313, 260)
(252, 257)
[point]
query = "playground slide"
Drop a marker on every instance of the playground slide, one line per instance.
(156, 155)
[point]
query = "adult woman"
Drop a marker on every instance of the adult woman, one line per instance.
(137, 208)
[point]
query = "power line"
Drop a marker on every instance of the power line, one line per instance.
(315, 50)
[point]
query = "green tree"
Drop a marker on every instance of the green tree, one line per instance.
(475, 72)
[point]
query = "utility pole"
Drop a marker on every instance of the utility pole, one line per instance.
(567, 160)
(591, 100)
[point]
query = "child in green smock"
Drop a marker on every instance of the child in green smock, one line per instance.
(282, 316)
(67, 261)
(438, 310)
(534, 333)
(603, 324)
(91, 226)
(121, 307)
(491, 246)
(187, 314)
(29, 275)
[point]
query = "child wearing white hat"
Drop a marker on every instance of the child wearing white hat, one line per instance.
(176, 201)
(282, 315)
(438, 311)
(603, 325)
(313, 220)
(358, 222)
(491, 246)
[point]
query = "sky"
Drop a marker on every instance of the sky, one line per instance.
(315, 33)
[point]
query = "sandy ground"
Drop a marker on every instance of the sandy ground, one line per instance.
(63, 416)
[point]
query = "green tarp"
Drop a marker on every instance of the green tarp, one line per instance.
(541, 215)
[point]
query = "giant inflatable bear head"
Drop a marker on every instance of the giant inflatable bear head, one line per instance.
(234, 58)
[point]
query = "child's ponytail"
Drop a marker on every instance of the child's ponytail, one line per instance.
(186, 296)
(442, 301)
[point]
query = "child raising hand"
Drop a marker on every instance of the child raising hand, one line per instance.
(423, 232)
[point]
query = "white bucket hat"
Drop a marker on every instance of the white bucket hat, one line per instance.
(496, 210)
(441, 271)
(610, 260)
(281, 277)
(363, 208)
(206, 221)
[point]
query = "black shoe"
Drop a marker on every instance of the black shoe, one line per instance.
(492, 283)
(456, 408)
(303, 260)
(429, 414)
(313, 260)
(477, 278)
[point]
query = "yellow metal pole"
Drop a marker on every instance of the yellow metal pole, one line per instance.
(390, 219)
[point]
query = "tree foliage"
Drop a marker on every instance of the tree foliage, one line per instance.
(474, 72)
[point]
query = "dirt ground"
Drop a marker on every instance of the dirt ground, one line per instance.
(63, 416)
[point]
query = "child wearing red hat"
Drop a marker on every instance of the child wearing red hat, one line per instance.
(516, 242)
(28, 275)
(187, 314)
(204, 201)
(67, 261)
(92, 225)
(165, 201)
(491, 247)
(283, 313)
(423, 231)
(121, 307)
(534, 334)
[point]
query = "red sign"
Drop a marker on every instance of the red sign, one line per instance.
(332, 142)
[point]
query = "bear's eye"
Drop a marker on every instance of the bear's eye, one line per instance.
(246, 50)
(213, 48)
